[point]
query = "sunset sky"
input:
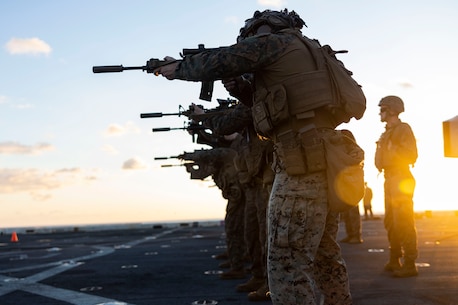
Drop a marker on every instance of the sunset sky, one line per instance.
(73, 149)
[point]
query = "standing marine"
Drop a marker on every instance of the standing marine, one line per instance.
(291, 105)
(396, 152)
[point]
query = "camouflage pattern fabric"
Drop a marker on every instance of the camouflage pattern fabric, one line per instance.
(303, 252)
(234, 121)
(251, 54)
(254, 238)
(396, 149)
(352, 220)
(250, 162)
(225, 178)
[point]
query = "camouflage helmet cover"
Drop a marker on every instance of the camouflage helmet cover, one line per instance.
(393, 102)
(277, 20)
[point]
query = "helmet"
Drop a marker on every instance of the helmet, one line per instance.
(393, 102)
(277, 20)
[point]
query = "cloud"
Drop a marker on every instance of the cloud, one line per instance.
(114, 129)
(40, 197)
(118, 130)
(3, 99)
(405, 84)
(37, 183)
(32, 46)
(134, 164)
(273, 3)
(110, 150)
(27, 180)
(13, 148)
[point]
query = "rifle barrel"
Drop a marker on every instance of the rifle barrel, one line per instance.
(167, 129)
(162, 129)
(151, 115)
(109, 69)
(171, 165)
(166, 158)
(157, 114)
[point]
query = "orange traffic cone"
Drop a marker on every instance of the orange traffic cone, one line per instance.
(14, 238)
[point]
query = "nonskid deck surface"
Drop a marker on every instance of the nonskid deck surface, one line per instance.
(166, 265)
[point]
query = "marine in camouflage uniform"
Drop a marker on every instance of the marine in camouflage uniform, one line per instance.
(256, 177)
(303, 254)
(396, 151)
(220, 162)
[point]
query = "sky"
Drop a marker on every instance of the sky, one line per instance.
(73, 149)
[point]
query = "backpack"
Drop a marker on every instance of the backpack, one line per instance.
(345, 171)
(348, 96)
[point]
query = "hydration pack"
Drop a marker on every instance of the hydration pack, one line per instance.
(349, 100)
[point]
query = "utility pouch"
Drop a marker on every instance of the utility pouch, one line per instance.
(277, 104)
(316, 157)
(315, 152)
(261, 118)
(291, 153)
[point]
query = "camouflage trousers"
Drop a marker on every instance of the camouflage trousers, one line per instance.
(352, 220)
(255, 227)
(235, 228)
(303, 255)
(399, 218)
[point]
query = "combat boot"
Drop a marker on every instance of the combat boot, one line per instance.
(407, 270)
(223, 255)
(393, 264)
(253, 284)
(262, 294)
(345, 239)
(355, 240)
(225, 264)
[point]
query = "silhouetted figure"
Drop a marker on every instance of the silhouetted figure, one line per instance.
(367, 201)
(396, 151)
(352, 220)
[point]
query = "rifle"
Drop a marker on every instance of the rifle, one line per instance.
(195, 168)
(192, 128)
(188, 156)
(166, 158)
(171, 157)
(224, 105)
(206, 89)
(180, 112)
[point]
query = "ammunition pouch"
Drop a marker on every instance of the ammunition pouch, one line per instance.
(301, 153)
(270, 108)
(240, 164)
(296, 96)
(255, 157)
